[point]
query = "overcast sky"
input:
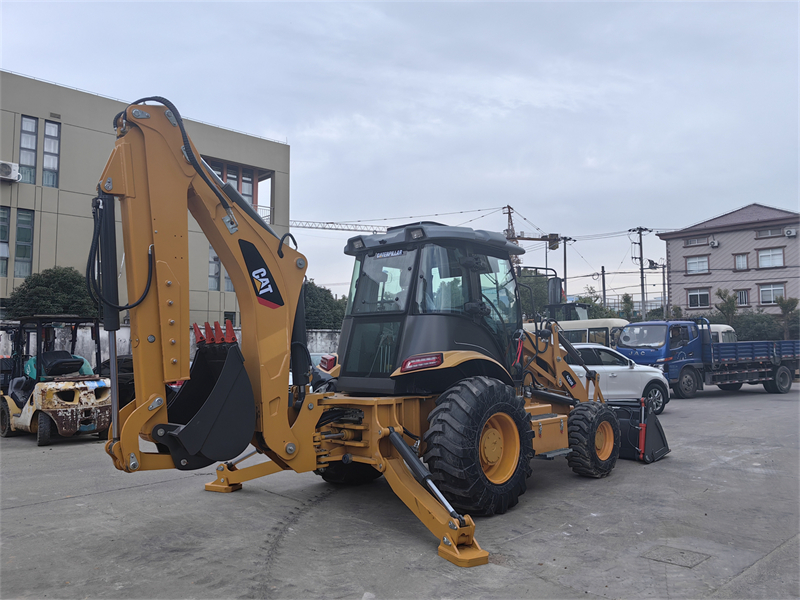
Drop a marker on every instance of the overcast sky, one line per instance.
(586, 118)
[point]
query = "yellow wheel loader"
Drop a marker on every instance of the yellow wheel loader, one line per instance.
(437, 386)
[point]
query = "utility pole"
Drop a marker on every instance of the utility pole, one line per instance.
(603, 275)
(639, 230)
(565, 239)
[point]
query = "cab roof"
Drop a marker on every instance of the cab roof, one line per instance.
(430, 232)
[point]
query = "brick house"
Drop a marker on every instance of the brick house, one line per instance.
(753, 251)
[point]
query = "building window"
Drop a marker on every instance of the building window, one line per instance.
(696, 264)
(228, 283)
(52, 144)
(232, 176)
(4, 219)
(230, 316)
(769, 292)
(740, 262)
(23, 251)
(215, 166)
(213, 270)
(698, 298)
(700, 241)
(742, 298)
(247, 185)
(772, 257)
(763, 233)
(27, 150)
(243, 179)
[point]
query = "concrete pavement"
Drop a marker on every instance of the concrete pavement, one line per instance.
(718, 518)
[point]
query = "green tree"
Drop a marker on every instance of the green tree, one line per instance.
(596, 309)
(56, 291)
(323, 311)
(727, 306)
(789, 314)
(677, 312)
(627, 307)
(757, 325)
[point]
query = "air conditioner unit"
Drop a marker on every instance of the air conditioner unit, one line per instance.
(9, 171)
(714, 244)
(790, 232)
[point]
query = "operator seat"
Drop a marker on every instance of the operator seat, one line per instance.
(20, 390)
(60, 362)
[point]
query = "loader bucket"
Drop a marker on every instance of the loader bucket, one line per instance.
(212, 418)
(642, 437)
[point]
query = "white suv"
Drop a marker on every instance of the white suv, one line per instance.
(621, 378)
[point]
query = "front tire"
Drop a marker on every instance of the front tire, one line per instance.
(687, 384)
(783, 380)
(44, 430)
(594, 438)
(5, 421)
(657, 395)
(478, 446)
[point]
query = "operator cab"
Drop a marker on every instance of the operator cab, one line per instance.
(426, 288)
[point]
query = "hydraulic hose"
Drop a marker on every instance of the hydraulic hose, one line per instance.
(187, 147)
(91, 273)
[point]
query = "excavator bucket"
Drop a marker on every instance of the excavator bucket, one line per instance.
(642, 437)
(212, 418)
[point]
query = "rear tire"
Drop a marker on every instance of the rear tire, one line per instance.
(687, 384)
(783, 380)
(354, 473)
(657, 395)
(5, 421)
(478, 446)
(729, 387)
(103, 435)
(594, 438)
(44, 431)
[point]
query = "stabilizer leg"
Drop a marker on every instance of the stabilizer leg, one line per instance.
(230, 478)
(456, 542)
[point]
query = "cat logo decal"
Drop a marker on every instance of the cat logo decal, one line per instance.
(267, 292)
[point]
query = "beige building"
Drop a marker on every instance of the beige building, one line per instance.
(54, 143)
(753, 252)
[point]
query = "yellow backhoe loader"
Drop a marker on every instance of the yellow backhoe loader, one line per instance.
(436, 386)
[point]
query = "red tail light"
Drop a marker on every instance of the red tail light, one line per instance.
(327, 362)
(421, 361)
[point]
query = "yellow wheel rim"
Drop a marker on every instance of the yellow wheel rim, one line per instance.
(604, 440)
(499, 448)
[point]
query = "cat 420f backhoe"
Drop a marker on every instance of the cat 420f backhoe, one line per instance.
(435, 363)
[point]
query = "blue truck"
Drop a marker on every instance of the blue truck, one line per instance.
(691, 357)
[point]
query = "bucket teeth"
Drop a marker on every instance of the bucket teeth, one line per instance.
(198, 335)
(219, 337)
(230, 334)
(209, 334)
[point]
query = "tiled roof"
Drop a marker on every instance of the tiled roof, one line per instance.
(747, 215)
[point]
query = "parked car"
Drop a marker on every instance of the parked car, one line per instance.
(621, 377)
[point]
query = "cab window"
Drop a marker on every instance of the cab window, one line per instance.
(499, 290)
(679, 336)
(442, 285)
(381, 282)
